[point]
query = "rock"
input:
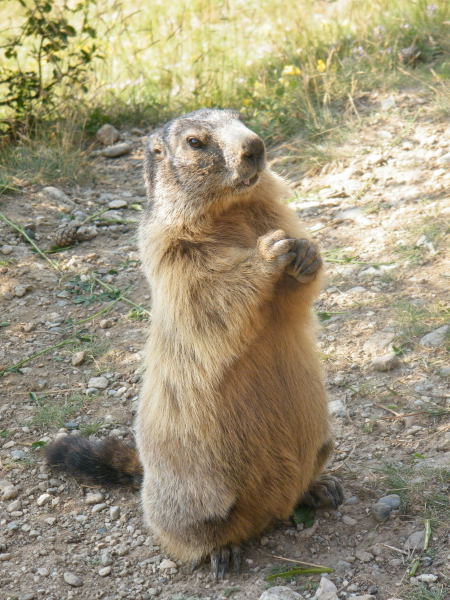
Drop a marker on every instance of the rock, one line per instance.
(342, 566)
(116, 150)
(72, 579)
(6, 249)
(104, 571)
(43, 572)
(337, 408)
(379, 342)
(436, 337)
(13, 506)
(415, 540)
(388, 103)
(392, 500)
(10, 492)
(107, 134)
(348, 520)
(55, 194)
(106, 559)
(114, 513)
(380, 512)
(78, 358)
(86, 232)
(100, 383)
(21, 290)
(364, 597)
(326, 590)
(363, 556)
(106, 323)
(386, 362)
(98, 507)
(117, 204)
(427, 578)
(444, 160)
(43, 499)
(167, 564)
(279, 592)
(18, 454)
(94, 498)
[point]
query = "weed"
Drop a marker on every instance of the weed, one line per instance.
(415, 319)
(137, 314)
(422, 592)
(54, 412)
(88, 429)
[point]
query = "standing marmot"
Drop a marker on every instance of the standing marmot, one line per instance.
(232, 428)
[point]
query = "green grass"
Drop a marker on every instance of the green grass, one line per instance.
(422, 592)
(416, 319)
(295, 68)
(51, 412)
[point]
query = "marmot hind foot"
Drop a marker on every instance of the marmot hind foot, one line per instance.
(221, 558)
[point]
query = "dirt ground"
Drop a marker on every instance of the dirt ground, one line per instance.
(379, 211)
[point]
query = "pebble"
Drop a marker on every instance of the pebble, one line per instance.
(106, 559)
(116, 150)
(72, 579)
(386, 362)
(427, 578)
(114, 513)
(337, 408)
(117, 204)
(167, 564)
(106, 323)
(363, 556)
(380, 512)
(444, 160)
(55, 194)
(99, 383)
(43, 499)
(18, 454)
(10, 492)
(86, 232)
(392, 500)
(43, 572)
(6, 249)
(107, 134)
(415, 540)
(13, 506)
(279, 592)
(326, 590)
(104, 571)
(364, 597)
(98, 507)
(435, 338)
(21, 290)
(94, 498)
(349, 520)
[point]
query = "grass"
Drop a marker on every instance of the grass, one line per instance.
(422, 592)
(415, 319)
(53, 413)
(302, 68)
(419, 488)
(423, 240)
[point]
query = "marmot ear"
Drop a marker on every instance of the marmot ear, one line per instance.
(155, 146)
(154, 152)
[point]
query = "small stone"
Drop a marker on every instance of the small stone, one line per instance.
(13, 506)
(100, 383)
(444, 160)
(342, 566)
(43, 572)
(78, 358)
(10, 492)
(107, 134)
(364, 597)
(415, 540)
(27, 596)
(21, 290)
(348, 520)
(43, 499)
(104, 571)
(326, 590)
(72, 579)
(98, 507)
(279, 592)
(50, 521)
(55, 194)
(114, 204)
(427, 578)
(114, 513)
(106, 323)
(380, 512)
(18, 454)
(167, 564)
(6, 249)
(106, 559)
(435, 338)
(86, 232)
(94, 498)
(363, 556)
(392, 500)
(386, 362)
(337, 408)
(116, 150)
(5, 556)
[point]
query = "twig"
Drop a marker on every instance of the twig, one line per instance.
(71, 340)
(426, 541)
(344, 460)
(123, 298)
(298, 562)
(413, 570)
(395, 549)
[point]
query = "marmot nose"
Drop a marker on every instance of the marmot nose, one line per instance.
(253, 150)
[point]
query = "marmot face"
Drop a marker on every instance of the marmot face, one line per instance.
(202, 157)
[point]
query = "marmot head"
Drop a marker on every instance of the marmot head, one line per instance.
(200, 158)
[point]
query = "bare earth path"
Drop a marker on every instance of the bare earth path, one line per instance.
(380, 213)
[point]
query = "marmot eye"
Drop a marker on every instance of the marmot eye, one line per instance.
(194, 142)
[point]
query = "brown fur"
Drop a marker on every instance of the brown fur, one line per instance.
(232, 427)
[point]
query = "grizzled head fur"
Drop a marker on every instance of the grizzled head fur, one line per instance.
(200, 158)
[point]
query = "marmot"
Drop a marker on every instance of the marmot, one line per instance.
(232, 427)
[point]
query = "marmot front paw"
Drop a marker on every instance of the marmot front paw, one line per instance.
(307, 261)
(276, 248)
